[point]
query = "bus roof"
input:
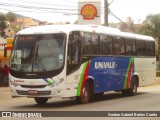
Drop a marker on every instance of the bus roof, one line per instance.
(88, 28)
(67, 28)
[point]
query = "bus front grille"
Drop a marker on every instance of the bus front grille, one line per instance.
(20, 92)
(31, 86)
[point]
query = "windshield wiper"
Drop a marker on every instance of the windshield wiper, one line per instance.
(36, 55)
(27, 59)
(37, 58)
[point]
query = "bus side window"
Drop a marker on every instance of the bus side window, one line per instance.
(140, 45)
(130, 46)
(74, 51)
(119, 46)
(73, 57)
(150, 48)
(95, 44)
(106, 45)
(87, 44)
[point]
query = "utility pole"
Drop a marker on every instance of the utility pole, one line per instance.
(105, 12)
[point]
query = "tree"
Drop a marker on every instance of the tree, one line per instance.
(130, 23)
(151, 27)
(127, 26)
(2, 24)
(16, 28)
(10, 16)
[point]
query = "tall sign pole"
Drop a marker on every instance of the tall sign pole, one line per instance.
(105, 12)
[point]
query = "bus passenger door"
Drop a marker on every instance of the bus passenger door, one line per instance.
(73, 57)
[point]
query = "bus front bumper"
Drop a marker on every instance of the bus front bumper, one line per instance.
(20, 91)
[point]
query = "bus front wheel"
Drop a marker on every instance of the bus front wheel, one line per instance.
(86, 94)
(41, 101)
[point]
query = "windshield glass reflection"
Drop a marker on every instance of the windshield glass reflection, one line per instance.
(38, 53)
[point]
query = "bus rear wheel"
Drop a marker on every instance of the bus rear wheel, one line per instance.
(86, 94)
(133, 88)
(41, 101)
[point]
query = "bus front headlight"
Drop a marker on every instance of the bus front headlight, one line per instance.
(56, 83)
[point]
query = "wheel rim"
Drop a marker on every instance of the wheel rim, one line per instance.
(85, 93)
(135, 87)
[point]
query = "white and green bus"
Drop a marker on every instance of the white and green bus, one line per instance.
(66, 61)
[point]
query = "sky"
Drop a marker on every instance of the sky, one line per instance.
(66, 10)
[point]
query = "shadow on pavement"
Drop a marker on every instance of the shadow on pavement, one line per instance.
(64, 103)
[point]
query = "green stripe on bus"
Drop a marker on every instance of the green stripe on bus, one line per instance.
(81, 78)
(125, 82)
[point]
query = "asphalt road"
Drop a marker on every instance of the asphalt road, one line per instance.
(147, 99)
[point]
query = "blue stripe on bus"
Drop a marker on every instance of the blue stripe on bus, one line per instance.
(109, 73)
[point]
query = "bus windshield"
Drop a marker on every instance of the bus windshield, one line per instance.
(38, 53)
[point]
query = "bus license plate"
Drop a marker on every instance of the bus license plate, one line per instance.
(32, 92)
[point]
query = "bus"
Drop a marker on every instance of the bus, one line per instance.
(79, 61)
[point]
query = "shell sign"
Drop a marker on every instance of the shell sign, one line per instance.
(88, 11)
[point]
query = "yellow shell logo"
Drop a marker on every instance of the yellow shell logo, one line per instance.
(88, 11)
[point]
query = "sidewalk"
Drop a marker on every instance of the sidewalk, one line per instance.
(3, 89)
(5, 93)
(157, 82)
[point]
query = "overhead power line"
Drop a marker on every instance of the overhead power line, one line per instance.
(48, 2)
(39, 7)
(114, 15)
(42, 3)
(56, 7)
(38, 11)
(110, 3)
(32, 7)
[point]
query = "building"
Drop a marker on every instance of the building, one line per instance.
(5, 43)
(24, 22)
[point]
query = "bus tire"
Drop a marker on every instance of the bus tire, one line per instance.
(40, 101)
(133, 88)
(86, 94)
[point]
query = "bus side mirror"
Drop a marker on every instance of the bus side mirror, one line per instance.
(5, 51)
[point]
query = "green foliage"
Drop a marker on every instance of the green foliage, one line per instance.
(112, 25)
(10, 16)
(151, 26)
(2, 23)
(16, 28)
